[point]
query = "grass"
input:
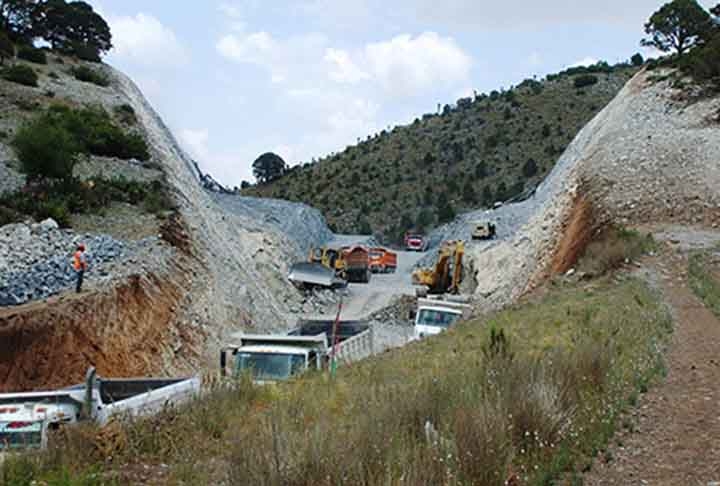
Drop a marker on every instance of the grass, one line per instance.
(704, 284)
(534, 391)
(615, 247)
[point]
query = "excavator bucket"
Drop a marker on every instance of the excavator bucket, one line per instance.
(313, 274)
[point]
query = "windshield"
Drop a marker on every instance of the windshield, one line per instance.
(376, 255)
(436, 318)
(271, 366)
(18, 435)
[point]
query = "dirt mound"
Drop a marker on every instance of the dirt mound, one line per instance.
(579, 230)
(645, 158)
(125, 330)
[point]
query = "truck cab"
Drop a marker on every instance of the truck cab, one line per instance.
(436, 316)
(275, 363)
(275, 358)
(415, 242)
(483, 230)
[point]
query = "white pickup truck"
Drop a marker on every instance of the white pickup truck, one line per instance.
(26, 418)
(435, 315)
(273, 358)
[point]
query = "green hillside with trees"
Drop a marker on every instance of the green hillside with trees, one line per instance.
(481, 150)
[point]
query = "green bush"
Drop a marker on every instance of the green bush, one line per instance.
(585, 80)
(96, 133)
(32, 54)
(703, 63)
(126, 113)
(21, 74)
(46, 150)
(88, 75)
(58, 199)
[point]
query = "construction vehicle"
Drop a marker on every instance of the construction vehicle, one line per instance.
(415, 242)
(382, 260)
(331, 258)
(307, 275)
(357, 264)
(483, 230)
(26, 418)
(273, 358)
(436, 315)
(447, 274)
(325, 268)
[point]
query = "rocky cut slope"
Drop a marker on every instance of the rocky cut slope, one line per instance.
(651, 156)
(159, 298)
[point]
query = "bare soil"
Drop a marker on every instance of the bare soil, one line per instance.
(676, 436)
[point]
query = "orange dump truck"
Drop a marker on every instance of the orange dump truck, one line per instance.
(357, 264)
(382, 260)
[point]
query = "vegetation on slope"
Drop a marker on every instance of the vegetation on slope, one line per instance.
(533, 391)
(704, 275)
(483, 149)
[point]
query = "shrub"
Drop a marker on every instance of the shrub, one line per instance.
(21, 74)
(613, 248)
(585, 80)
(32, 54)
(46, 150)
(97, 134)
(126, 113)
(88, 75)
(703, 63)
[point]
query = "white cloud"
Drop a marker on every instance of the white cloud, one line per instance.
(195, 142)
(145, 41)
(409, 65)
(535, 59)
(587, 61)
(342, 67)
(230, 10)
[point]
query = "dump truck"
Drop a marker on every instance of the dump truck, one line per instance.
(447, 274)
(382, 260)
(415, 242)
(26, 418)
(483, 230)
(276, 358)
(434, 316)
(357, 264)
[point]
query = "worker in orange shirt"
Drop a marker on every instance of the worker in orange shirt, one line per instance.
(80, 265)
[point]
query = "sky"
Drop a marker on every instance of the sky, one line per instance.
(234, 79)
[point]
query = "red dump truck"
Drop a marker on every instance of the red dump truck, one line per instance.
(415, 242)
(357, 264)
(382, 260)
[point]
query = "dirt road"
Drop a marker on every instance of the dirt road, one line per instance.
(366, 299)
(677, 424)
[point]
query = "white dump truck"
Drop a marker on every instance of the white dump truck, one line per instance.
(26, 418)
(273, 358)
(435, 315)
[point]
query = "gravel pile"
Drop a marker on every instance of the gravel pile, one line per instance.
(320, 301)
(10, 179)
(36, 260)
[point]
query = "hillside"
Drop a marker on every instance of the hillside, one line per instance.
(173, 271)
(491, 148)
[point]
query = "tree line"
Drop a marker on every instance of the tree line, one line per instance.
(71, 28)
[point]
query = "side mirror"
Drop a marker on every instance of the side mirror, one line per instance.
(412, 314)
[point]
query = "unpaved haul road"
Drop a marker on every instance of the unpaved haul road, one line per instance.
(366, 299)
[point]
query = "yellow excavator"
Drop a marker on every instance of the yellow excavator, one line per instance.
(446, 275)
